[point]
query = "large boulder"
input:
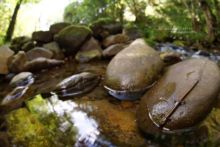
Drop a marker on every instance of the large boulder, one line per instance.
(39, 52)
(5, 54)
(72, 37)
(115, 39)
(181, 99)
(90, 50)
(133, 70)
(42, 36)
(57, 27)
(54, 47)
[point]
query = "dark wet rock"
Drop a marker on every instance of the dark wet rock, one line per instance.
(170, 57)
(54, 47)
(28, 46)
(181, 99)
(42, 36)
(77, 84)
(22, 79)
(18, 42)
(133, 70)
(115, 39)
(57, 27)
(72, 37)
(4, 139)
(15, 95)
(2, 77)
(41, 63)
(203, 53)
(103, 28)
(113, 50)
(89, 51)
(39, 52)
(17, 62)
(132, 32)
(168, 47)
(5, 54)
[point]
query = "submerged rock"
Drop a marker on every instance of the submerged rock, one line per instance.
(77, 84)
(22, 79)
(72, 37)
(39, 52)
(133, 70)
(90, 50)
(5, 54)
(116, 123)
(181, 99)
(25, 129)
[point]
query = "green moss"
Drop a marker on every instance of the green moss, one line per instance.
(102, 21)
(26, 130)
(76, 30)
(42, 125)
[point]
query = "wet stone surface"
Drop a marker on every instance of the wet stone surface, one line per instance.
(91, 119)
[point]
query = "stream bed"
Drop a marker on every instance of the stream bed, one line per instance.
(42, 118)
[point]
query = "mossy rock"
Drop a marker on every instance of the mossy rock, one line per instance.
(104, 27)
(72, 37)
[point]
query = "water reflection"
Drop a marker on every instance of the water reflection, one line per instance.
(87, 128)
(76, 126)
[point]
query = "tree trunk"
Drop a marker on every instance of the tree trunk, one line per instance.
(121, 14)
(217, 9)
(210, 20)
(12, 23)
(190, 5)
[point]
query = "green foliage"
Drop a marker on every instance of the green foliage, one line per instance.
(6, 11)
(89, 11)
(6, 8)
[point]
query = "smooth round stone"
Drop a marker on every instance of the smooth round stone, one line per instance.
(22, 79)
(132, 71)
(39, 52)
(77, 84)
(181, 99)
